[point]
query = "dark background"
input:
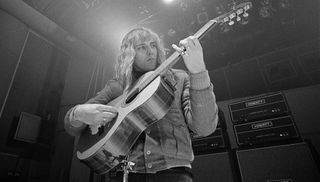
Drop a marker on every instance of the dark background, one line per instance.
(58, 53)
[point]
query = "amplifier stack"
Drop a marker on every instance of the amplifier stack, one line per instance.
(215, 142)
(209, 144)
(262, 120)
(213, 161)
(268, 145)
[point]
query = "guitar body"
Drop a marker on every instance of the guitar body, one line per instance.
(101, 151)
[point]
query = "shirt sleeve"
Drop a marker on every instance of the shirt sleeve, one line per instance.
(199, 104)
(111, 91)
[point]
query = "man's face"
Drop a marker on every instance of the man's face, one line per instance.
(146, 55)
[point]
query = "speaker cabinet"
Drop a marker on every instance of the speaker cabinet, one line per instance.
(8, 165)
(283, 163)
(212, 167)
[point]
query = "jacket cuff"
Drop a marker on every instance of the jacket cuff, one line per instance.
(72, 120)
(200, 80)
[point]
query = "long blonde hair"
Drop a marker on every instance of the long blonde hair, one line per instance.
(124, 66)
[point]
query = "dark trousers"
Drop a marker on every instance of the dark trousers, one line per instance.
(179, 174)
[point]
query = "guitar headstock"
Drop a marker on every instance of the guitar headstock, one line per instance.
(236, 14)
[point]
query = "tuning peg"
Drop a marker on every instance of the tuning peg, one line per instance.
(239, 11)
(245, 8)
(226, 19)
(245, 14)
(232, 15)
(238, 18)
(231, 22)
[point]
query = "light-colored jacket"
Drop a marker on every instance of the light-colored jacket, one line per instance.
(167, 143)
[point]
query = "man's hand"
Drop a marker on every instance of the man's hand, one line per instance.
(95, 115)
(191, 51)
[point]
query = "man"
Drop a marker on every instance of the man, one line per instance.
(163, 151)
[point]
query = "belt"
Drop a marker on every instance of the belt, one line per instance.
(174, 170)
(179, 170)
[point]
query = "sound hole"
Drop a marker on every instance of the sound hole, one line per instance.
(132, 96)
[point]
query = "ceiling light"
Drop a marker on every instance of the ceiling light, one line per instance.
(168, 1)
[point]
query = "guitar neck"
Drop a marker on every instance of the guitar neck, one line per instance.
(169, 62)
(229, 18)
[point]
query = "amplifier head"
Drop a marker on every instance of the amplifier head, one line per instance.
(259, 107)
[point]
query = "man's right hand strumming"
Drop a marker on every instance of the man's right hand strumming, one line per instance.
(93, 115)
